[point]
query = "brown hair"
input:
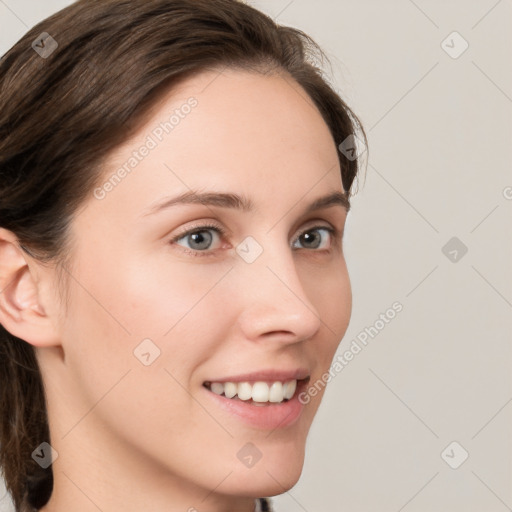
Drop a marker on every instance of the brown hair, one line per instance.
(63, 111)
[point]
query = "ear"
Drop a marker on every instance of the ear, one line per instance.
(21, 312)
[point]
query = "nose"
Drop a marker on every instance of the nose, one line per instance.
(272, 300)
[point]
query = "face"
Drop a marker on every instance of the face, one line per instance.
(169, 300)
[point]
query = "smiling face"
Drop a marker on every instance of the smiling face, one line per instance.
(170, 299)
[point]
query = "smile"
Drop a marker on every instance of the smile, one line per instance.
(260, 392)
(266, 404)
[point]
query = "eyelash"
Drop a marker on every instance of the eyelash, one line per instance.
(335, 234)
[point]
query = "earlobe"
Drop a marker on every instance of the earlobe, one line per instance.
(21, 312)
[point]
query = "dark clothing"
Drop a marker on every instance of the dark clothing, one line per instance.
(263, 505)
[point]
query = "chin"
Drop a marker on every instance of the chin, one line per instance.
(273, 474)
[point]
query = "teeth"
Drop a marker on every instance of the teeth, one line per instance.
(289, 389)
(230, 389)
(217, 388)
(276, 392)
(259, 392)
(244, 391)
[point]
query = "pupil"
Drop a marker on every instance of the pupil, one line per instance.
(199, 238)
(307, 237)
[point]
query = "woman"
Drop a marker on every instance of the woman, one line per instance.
(175, 179)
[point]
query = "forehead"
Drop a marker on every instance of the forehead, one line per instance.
(259, 135)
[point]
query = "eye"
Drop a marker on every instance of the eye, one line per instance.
(312, 239)
(199, 239)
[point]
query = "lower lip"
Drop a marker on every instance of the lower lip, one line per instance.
(268, 417)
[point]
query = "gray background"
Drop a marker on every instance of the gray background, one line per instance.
(440, 134)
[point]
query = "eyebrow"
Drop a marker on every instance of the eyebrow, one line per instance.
(242, 203)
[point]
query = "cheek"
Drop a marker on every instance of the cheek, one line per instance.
(168, 316)
(123, 395)
(330, 292)
(145, 297)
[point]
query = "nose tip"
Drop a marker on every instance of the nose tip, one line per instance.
(278, 307)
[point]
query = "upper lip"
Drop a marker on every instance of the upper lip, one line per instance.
(266, 375)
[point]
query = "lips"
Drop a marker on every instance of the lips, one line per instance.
(267, 415)
(266, 375)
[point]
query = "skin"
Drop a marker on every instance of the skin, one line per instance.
(131, 436)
